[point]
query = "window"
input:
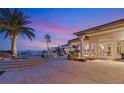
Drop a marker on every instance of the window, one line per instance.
(86, 49)
(120, 48)
(105, 49)
(93, 49)
(101, 50)
(108, 49)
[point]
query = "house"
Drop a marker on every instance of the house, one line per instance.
(74, 48)
(104, 41)
(64, 48)
(73, 43)
(60, 50)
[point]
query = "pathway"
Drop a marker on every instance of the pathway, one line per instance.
(62, 71)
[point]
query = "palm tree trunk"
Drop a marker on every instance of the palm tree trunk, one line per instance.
(48, 47)
(13, 46)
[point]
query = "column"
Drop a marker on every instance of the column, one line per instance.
(114, 49)
(82, 47)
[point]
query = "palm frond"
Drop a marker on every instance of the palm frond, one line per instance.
(15, 22)
(29, 32)
(48, 38)
(6, 34)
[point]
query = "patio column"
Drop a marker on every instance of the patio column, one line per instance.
(82, 47)
(114, 49)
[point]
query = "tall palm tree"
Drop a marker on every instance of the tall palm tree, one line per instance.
(14, 23)
(48, 41)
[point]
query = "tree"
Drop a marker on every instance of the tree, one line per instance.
(14, 23)
(48, 41)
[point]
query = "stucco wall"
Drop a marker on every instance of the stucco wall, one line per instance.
(110, 37)
(116, 35)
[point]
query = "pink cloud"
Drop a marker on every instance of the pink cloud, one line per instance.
(54, 28)
(62, 35)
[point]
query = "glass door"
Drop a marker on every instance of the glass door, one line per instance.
(108, 49)
(120, 48)
(105, 49)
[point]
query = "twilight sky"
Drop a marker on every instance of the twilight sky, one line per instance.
(61, 24)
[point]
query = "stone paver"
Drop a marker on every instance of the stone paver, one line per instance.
(62, 71)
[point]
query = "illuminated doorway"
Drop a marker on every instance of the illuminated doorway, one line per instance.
(105, 49)
(120, 48)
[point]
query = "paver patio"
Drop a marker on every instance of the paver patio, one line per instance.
(62, 71)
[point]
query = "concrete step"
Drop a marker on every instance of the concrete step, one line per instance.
(20, 61)
(4, 66)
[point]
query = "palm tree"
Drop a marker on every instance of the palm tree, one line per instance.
(14, 23)
(48, 41)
